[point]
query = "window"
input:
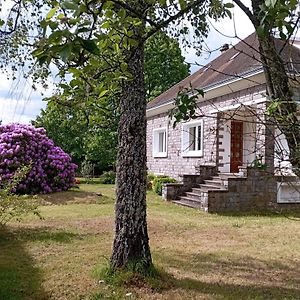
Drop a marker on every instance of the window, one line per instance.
(192, 138)
(160, 142)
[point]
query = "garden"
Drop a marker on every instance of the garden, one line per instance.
(56, 237)
(200, 256)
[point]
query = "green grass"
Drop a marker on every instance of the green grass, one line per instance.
(203, 256)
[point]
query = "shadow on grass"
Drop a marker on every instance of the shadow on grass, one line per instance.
(222, 290)
(272, 214)
(235, 278)
(19, 277)
(45, 234)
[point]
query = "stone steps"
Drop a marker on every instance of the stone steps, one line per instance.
(198, 196)
(186, 201)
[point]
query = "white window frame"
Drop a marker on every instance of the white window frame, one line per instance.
(185, 139)
(155, 142)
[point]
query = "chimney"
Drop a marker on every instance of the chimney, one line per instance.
(224, 48)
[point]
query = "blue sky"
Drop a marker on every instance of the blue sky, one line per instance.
(19, 103)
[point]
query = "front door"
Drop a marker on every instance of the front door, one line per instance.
(236, 144)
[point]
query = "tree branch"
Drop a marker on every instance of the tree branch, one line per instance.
(163, 24)
(247, 11)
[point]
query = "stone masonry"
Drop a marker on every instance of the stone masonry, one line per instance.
(175, 165)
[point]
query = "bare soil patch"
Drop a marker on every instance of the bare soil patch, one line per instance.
(72, 197)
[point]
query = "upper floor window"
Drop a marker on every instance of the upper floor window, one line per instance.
(160, 142)
(192, 138)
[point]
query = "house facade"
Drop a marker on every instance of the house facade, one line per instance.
(211, 154)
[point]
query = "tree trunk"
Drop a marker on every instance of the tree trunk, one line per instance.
(131, 243)
(278, 89)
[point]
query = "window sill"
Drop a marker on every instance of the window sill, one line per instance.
(192, 154)
(160, 155)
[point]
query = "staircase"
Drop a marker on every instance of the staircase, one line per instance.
(198, 196)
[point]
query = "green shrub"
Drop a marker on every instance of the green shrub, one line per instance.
(108, 177)
(14, 206)
(159, 181)
(87, 170)
(150, 178)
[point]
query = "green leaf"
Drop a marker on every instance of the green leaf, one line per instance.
(260, 30)
(182, 4)
(74, 71)
(103, 93)
(65, 52)
(90, 46)
(71, 5)
(51, 13)
(229, 5)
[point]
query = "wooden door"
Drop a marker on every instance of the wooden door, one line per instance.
(236, 146)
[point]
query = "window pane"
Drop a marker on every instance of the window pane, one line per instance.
(199, 142)
(192, 138)
(161, 142)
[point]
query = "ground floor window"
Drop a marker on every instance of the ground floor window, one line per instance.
(192, 138)
(160, 142)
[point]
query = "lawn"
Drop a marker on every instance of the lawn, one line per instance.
(205, 256)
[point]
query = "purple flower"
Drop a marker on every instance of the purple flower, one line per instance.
(51, 168)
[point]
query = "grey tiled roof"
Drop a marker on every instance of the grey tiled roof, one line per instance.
(236, 62)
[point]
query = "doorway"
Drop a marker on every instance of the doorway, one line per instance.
(236, 146)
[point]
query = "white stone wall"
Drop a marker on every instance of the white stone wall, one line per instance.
(216, 143)
(174, 164)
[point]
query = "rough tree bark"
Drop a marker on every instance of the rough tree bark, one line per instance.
(131, 243)
(277, 81)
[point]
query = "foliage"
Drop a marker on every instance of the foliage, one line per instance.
(185, 105)
(164, 64)
(150, 178)
(281, 15)
(159, 181)
(108, 177)
(85, 132)
(14, 206)
(87, 169)
(88, 124)
(23, 145)
(258, 163)
(154, 278)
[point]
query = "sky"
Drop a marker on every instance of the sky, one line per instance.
(20, 103)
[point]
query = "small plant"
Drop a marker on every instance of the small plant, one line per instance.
(15, 206)
(87, 170)
(258, 163)
(150, 178)
(159, 181)
(108, 177)
(133, 275)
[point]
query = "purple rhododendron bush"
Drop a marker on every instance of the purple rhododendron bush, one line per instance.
(51, 169)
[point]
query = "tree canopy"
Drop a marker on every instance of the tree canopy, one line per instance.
(164, 64)
(87, 132)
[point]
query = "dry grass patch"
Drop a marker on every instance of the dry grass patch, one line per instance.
(205, 256)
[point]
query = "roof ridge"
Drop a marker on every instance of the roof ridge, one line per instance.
(223, 68)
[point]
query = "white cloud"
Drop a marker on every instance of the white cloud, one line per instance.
(19, 110)
(19, 102)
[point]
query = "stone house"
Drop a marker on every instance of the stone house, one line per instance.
(230, 158)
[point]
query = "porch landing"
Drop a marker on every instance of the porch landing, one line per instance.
(222, 192)
(197, 197)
